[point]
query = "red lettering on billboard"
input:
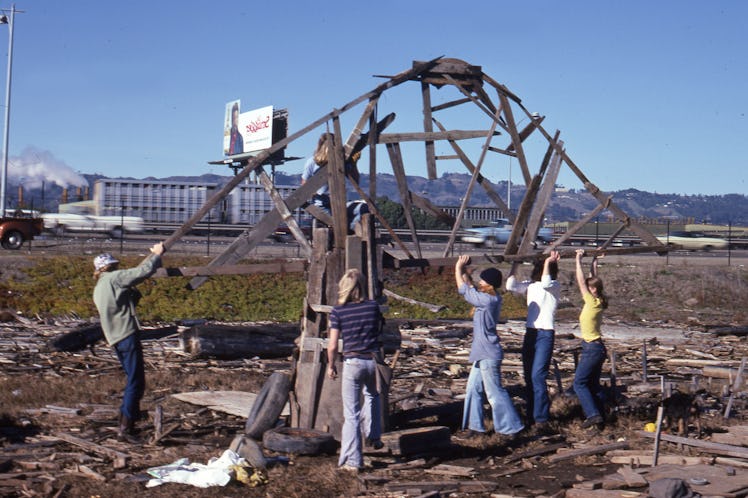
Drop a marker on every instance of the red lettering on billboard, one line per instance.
(258, 124)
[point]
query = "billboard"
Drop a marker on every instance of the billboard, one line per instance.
(251, 131)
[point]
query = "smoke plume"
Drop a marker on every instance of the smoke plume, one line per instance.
(34, 167)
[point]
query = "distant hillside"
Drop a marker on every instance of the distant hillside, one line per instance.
(566, 205)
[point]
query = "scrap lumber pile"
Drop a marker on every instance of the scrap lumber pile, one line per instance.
(49, 441)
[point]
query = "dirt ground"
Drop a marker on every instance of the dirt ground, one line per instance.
(49, 400)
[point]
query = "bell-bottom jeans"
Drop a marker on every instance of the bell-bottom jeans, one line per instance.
(485, 381)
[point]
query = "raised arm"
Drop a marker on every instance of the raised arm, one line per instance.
(593, 264)
(580, 273)
(461, 277)
(554, 256)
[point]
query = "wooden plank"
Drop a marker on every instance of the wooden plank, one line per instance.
(286, 214)
(336, 170)
(578, 225)
(267, 224)
(452, 103)
(590, 450)
(541, 204)
(389, 138)
(526, 131)
(417, 440)
(238, 403)
(314, 322)
(706, 446)
(278, 267)
(119, 459)
(512, 128)
(481, 179)
(427, 206)
(398, 169)
(428, 127)
(466, 199)
(518, 227)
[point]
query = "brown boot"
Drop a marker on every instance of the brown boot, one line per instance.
(126, 432)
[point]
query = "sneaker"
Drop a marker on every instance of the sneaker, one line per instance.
(350, 468)
(470, 434)
(595, 420)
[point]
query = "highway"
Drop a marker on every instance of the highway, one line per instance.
(212, 245)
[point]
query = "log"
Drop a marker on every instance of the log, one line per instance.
(231, 342)
(417, 440)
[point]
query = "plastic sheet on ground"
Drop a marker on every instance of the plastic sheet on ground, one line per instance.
(217, 472)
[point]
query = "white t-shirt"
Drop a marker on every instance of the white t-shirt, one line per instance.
(542, 300)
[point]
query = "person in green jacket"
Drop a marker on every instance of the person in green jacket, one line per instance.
(115, 297)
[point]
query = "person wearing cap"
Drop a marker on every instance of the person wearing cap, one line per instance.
(542, 291)
(115, 297)
(486, 354)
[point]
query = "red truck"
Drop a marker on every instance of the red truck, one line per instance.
(15, 230)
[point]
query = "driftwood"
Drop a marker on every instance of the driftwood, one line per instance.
(226, 341)
(431, 307)
(119, 459)
(88, 335)
(592, 450)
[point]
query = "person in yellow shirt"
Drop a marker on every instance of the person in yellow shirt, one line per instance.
(590, 365)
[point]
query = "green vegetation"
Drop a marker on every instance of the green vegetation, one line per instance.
(62, 286)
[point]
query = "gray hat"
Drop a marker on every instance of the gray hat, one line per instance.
(104, 260)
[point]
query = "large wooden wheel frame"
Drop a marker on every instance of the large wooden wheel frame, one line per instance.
(333, 250)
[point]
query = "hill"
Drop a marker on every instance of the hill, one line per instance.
(566, 204)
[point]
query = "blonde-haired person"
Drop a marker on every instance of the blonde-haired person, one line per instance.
(358, 322)
(589, 368)
(115, 297)
(319, 158)
(486, 354)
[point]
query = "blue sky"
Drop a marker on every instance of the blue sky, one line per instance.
(647, 95)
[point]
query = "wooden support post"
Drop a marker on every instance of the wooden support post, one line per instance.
(644, 361)
(396, 159)
(428, 127)
(336, 170)
(735, 387)
(658, 430)
(540, 204)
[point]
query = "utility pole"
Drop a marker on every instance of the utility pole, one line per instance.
(4, 177)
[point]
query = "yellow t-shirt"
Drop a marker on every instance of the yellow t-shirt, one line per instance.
(591, 317)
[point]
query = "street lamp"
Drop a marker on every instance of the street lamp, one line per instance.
(4, 177)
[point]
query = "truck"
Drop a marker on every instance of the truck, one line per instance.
(498, 233)
(82, 218)
(17, 228)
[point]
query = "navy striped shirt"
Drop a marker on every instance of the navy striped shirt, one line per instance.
(359, 326)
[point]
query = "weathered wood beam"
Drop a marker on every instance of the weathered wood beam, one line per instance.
(277, 267)
(337, 174)
(518, 227)
(386, 138)
(578, 225)
(253, 161)
(512, 128)
(372, 143)
(502, 151)
(396, 159)
(428, 127)
(645, 235)
(427, 206)
(481, 179)
(286, 214)
(527, 130)
(469, 192)
(541, 203)
(447, 105)
(241, 246)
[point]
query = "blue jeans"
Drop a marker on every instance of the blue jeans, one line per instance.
(537, 349)
(359, 375)
(587, 377)
(485, 379)
(130, 355)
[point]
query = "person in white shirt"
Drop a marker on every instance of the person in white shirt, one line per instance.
(542, 299)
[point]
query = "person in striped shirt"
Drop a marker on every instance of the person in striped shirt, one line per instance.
(358, 322)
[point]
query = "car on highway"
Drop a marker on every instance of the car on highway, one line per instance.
(498, 233)
(693, 241)
(283, 234)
